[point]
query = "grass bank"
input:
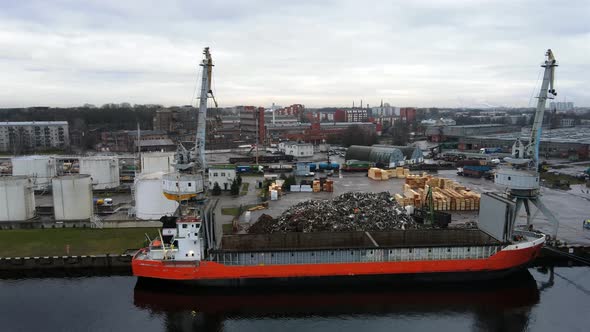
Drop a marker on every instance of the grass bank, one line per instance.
(54, 242)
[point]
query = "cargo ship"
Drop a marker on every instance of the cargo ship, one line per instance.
(192, 252)
(416, 255)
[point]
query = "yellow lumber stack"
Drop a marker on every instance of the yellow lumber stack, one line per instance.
(401, 173)
(375, 173)
(317, 186)
(446, 193)
(386, 174)
(277, 187)
(416, 181)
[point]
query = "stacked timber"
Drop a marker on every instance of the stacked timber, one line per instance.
(386, 174)
(328, 186)
(447, 195)
(317, 187)
(402, 173)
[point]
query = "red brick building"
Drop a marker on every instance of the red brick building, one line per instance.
(340, 116)
(293, 110)
(252, 124)
(407, 114)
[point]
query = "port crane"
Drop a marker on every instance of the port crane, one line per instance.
(189, 181)
(522, 179)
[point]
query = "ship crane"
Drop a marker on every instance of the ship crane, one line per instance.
(188, 181)
(522, 179)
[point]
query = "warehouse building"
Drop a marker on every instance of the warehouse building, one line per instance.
(385, 155)
(571, 143)
(252, 124)
(296, 149)
(223, 175)
(444, 133)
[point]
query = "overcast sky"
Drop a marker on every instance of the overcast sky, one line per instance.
(319, 53)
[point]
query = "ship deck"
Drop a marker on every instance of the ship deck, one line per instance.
(351, 240)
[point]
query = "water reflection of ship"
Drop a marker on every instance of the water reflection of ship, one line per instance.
(504, 303)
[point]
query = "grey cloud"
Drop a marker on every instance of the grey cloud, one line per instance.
(423, 53)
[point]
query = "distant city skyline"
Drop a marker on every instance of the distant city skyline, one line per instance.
(318, 53)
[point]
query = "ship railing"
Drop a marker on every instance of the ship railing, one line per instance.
(529, 234)
(369, 255)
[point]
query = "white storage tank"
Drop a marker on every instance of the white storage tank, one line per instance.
(104, 171)
(150, 202)
(157, 162)
(39, 168)
(17, 198)
(72, 197)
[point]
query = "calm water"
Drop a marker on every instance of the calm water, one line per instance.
(530, 302)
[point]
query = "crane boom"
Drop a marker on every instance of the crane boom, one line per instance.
(547, 88)
(522, 181)
(207, 65)
(189, 180)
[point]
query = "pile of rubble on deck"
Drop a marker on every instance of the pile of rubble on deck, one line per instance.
(347, 212)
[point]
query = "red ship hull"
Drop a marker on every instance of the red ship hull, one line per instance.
(504, 260)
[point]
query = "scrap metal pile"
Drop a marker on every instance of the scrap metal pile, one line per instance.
(347, 212)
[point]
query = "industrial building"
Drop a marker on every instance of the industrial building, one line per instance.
(438, 122)
(444, 133)
(176, 120)
(317, 132)
(561, 106)
(407, 114)
(296, 149)
(572, 143)
(126, 140)
(295, 110)
(385, 155)
(155, 145)
(353, 115)
(31, 136)
(252, 129)
(223, 175)
(385, 110)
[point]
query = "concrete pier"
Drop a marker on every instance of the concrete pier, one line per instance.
(99, 262)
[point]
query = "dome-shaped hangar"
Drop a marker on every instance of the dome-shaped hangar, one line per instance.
(385, 155)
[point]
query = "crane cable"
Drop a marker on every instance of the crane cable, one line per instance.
(195, 86)
(534, 87)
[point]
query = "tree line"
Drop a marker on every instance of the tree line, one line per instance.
(114, 117)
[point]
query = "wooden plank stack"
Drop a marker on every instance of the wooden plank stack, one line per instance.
(328, 186)
(386, 174)
(317, 186)
(447, 195)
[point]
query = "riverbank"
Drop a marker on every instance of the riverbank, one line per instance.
(72, 241)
